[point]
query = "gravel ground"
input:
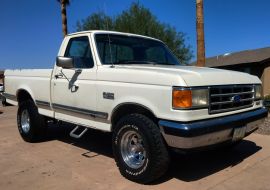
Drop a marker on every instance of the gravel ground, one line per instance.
(264, 128)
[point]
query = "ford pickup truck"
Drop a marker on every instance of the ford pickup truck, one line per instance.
(134, 87)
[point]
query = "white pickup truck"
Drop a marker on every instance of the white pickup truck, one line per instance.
(134, 87)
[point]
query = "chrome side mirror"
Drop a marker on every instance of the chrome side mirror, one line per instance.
(65, 62)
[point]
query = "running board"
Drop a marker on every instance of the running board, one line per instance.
(78, 132)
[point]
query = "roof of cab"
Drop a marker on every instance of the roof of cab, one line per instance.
(112, 32)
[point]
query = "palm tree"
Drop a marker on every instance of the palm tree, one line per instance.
(200, 34)
(64, 3)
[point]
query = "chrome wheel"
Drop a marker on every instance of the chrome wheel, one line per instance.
(132, 149)
(25, 121)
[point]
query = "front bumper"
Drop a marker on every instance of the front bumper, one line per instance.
(203, 133)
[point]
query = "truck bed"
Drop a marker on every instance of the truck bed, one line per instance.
(37, 79)
(29, 73)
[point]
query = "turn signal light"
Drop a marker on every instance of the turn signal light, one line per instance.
(182, 98)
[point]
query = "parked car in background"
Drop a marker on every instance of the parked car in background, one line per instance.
(134, 87)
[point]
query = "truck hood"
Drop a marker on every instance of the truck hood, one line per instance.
(170, 75)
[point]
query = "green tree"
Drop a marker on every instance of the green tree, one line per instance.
(63, 4)
(97, 21)
(139, 20)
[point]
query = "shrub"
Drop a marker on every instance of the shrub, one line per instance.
(267, 102)
(267, 98)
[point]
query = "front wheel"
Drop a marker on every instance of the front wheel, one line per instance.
(139, 150)
(31, 124)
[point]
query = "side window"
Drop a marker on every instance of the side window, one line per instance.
(79, 49)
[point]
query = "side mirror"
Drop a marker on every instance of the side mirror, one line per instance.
(65, 62)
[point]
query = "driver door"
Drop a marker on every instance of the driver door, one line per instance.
(74, 89)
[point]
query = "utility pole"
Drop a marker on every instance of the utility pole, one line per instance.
(200, 34)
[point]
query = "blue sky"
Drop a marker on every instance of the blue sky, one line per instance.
(30, 30)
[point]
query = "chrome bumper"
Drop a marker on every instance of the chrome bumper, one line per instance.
(209, 132)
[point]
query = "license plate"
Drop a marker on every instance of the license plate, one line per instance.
(239, 133)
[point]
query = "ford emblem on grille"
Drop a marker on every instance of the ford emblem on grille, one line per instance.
(236, 98)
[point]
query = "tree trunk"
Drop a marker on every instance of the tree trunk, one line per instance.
(64, 17)
(200, 34)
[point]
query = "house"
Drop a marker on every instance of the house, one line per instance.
(255, 62)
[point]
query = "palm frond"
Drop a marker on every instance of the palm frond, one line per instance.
(67, 2)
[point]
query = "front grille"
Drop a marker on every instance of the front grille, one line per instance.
(229, 98)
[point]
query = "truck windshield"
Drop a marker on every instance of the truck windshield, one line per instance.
(120, 49)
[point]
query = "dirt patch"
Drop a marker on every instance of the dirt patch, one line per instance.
(264, 128)
(62, 162)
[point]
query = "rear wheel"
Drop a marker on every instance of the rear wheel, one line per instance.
(139, 150)
(31, 124)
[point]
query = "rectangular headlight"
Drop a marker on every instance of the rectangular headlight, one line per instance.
(258, 91)
(189, 98)
(199, 97)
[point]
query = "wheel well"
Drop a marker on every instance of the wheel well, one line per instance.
(125, 109)
(23, 95)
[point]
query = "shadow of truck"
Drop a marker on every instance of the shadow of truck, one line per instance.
(190, 167)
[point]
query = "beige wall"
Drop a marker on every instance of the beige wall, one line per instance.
(266, 81)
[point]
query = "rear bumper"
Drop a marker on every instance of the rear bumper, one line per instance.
(202, 133)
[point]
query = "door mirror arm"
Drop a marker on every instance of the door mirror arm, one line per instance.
(61, 71)
(78, 71)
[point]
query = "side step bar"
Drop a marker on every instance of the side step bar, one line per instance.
(78, 132)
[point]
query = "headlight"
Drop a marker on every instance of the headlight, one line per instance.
(189, 98)
(258, 91)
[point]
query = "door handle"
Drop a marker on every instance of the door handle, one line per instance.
(58, 75)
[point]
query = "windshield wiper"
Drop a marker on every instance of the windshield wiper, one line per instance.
(165, 63)
(142, 62)
(134, 62)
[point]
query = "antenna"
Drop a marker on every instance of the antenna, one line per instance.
(110, 50)
(105, 11)
(107, 25)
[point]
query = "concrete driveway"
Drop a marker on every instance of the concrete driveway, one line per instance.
(65, 163)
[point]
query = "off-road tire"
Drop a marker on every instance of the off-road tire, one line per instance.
(38, 126)
(157, 157)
